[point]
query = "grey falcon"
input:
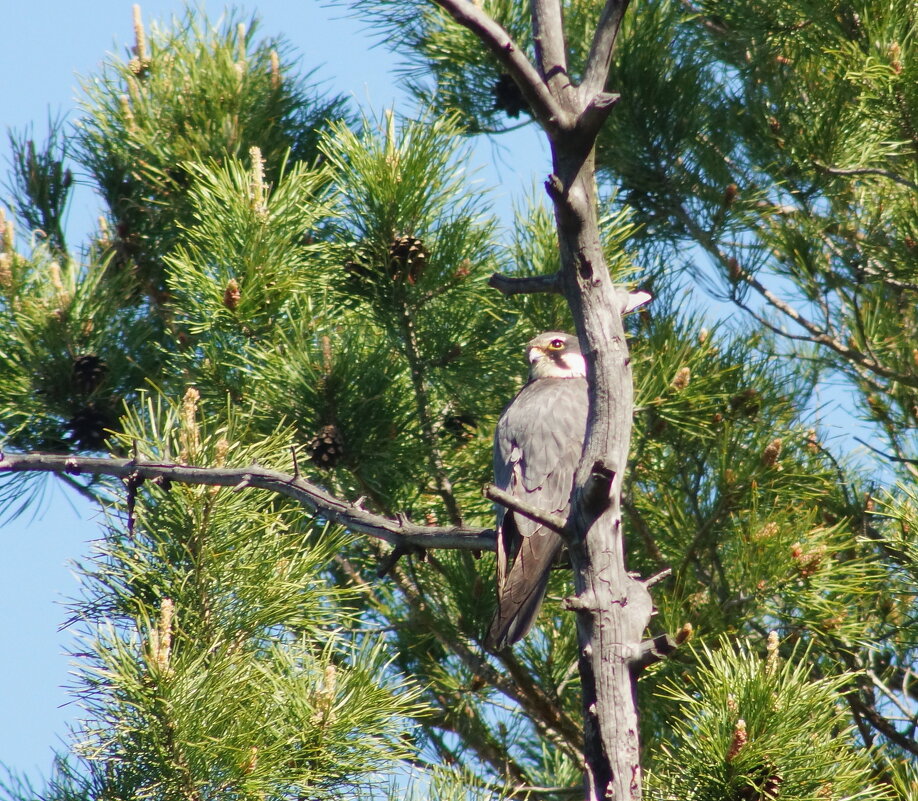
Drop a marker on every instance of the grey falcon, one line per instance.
(537, 446)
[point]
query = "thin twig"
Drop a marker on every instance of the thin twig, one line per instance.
(885, 455)
(854, 171)
(909, 714)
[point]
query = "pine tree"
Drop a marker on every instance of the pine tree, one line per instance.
(281, 283)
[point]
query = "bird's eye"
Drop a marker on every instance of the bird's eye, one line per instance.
(556, 344)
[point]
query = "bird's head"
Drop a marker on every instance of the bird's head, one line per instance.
(555, 354)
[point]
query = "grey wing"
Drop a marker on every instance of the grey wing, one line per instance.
(537, 446)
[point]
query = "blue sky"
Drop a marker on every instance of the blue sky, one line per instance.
(44, 46)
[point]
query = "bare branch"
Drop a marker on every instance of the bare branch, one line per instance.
(551, 116)
(550, 521)
(548, 36)
(396, 532)
(655, 650)
(854, 171)
(527, 285)
(600, 58)
(596, 111)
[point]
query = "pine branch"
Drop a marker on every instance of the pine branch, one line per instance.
(820, 336)
(814, 332)
(531, 284)
(401, 532)
(470, 727)
(870, 713)
(550, 114)
(855, 171)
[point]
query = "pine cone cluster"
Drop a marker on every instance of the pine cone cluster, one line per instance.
(407, 259)
(405, 262)
(326, 449)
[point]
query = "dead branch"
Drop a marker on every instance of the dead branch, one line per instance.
(600, 58)
(508, 501)
(522, 285)
(399, 533)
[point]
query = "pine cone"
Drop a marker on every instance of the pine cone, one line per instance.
(88, 372)
(459, 426)
(326, 448)
(88, 426)
(407, 259)
(746, 403)
(508, 97)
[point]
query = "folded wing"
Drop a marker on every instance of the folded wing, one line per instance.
(537, 447)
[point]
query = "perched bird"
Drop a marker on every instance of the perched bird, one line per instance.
(537, 446)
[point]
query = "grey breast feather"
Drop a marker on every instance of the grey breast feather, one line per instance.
(538, 443)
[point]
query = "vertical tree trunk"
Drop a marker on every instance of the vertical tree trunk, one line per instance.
(612, 608)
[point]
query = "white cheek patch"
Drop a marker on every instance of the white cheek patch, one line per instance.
(570, 365)
(576, 364)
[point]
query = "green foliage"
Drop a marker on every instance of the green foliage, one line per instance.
(274, 282)
(206, 615)
(41, 184)
(191, 93)
(753, 727)
(72, 351)
(254, 235)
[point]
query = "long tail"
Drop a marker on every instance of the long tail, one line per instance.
(521, 596)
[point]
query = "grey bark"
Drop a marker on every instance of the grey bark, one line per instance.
(401, 533)
(612, 608)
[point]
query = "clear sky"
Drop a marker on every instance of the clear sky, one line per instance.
(44, 46)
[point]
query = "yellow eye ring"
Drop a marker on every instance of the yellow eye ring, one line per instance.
(556, 344)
